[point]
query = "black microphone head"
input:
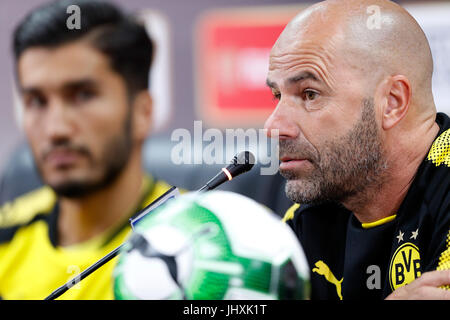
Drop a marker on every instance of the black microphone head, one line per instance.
(241, 163)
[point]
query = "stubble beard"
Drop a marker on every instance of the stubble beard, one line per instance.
(112, 161)
(347, 168)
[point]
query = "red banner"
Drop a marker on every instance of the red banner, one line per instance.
(232, 59)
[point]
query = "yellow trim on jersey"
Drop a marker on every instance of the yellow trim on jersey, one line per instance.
(24, 208)
(369, 225)
(440, 150)
(289, 215)
(444, 259)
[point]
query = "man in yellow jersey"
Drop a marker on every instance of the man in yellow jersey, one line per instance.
(87, 112)
(365, 154)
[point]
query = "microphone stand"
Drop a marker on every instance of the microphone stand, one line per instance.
(58, 292)
(241, 163)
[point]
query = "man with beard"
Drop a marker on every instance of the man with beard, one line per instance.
(87, 112)
(365, 154)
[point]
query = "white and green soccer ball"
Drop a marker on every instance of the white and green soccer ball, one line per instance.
(216, 245)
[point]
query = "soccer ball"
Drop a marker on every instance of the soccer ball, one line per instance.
(217, 245)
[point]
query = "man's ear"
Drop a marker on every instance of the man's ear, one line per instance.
(142, 115)
(396, 93)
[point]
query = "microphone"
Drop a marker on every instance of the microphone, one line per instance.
(241, 163)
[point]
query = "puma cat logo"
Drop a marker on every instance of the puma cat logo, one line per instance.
(322, 269)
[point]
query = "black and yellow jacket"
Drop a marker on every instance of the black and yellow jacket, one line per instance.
(350, 260)
(32, 264)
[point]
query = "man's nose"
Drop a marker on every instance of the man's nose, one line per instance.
(58, 124)
(283, 121)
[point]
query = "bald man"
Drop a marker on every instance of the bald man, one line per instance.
(365, 154)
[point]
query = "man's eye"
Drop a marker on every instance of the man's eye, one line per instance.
(35, 102)
(276, 96)
(83, 95)
(310, 95)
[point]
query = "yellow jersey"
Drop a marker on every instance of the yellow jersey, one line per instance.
(32, 265)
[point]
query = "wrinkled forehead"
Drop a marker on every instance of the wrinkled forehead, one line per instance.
(307, 45)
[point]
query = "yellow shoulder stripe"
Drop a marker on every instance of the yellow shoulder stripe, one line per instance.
(26, 207)
(440, 150)
(289, 215)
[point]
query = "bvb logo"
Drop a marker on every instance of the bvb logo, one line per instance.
(405, 265)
